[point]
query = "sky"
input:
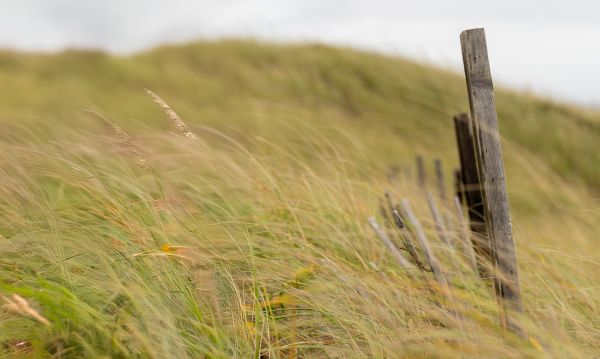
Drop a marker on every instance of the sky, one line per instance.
(550, 47)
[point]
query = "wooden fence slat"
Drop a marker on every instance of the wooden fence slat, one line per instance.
(439, 175)
(403, 262)
(421, 180)
(387, 220)
(440, 227)
(407, 239)
(491, 174)
(422, 238)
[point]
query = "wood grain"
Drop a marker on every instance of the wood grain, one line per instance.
(491, 173)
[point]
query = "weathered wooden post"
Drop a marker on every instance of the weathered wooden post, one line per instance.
(439, 175)
(420, 172)
(471, 191)
(491, 174)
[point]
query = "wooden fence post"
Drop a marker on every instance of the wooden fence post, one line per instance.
(491, 174)
(439, 175)
(420, 172)
(471, 191)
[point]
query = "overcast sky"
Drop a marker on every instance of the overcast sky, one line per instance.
(549, 46)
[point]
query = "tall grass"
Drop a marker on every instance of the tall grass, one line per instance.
(254, 241)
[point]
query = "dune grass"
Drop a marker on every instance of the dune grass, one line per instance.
(241, 231)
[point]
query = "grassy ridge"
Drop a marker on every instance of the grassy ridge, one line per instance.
(236, 83)
(252, 239)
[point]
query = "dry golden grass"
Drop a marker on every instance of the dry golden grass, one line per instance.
(254, 240)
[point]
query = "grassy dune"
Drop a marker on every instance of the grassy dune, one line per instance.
(246, 235)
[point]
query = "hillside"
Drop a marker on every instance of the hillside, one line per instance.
(252, 239)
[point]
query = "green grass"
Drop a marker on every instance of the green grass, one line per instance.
(252, 241)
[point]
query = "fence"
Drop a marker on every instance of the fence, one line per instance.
(480, 185)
